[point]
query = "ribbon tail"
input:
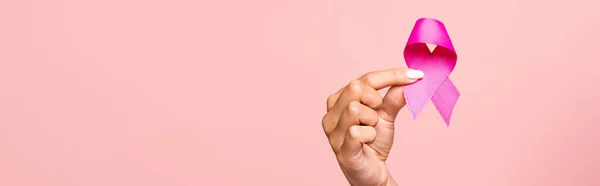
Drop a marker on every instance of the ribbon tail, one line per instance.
(445, 99)
(417, 96)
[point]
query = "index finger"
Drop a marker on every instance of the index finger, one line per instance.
(391, 77)
(382, 79)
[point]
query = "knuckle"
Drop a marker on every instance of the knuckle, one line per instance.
(353, 108)
(330, 97)
(325, 122)
(330, 100)
(324, 119)
(355, 86)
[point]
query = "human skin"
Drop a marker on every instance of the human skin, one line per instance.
(360, 124)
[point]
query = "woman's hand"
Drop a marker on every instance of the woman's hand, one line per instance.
(360, 124)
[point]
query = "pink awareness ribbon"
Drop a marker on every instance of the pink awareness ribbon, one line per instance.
(436, 65)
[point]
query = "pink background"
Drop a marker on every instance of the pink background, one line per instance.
(182, 92)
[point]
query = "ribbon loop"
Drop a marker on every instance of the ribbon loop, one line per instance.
(437, 66)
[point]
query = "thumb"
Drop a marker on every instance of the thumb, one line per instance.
(392, 103)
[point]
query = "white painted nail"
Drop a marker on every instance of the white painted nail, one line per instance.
(414, 74)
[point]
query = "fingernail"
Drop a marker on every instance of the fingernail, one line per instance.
(414, 74)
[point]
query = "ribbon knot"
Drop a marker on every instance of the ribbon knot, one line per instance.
(437, 66)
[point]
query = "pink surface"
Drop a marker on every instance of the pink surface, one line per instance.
(181, 92)
(437, 64)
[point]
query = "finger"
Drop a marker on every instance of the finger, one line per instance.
(382, 79)
(329, 123)
(333, 98)
(356, 91)
(355, 138)
(356, 114)
(391, 77)
(392, 103)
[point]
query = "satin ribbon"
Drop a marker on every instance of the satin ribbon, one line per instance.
(436, 65)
